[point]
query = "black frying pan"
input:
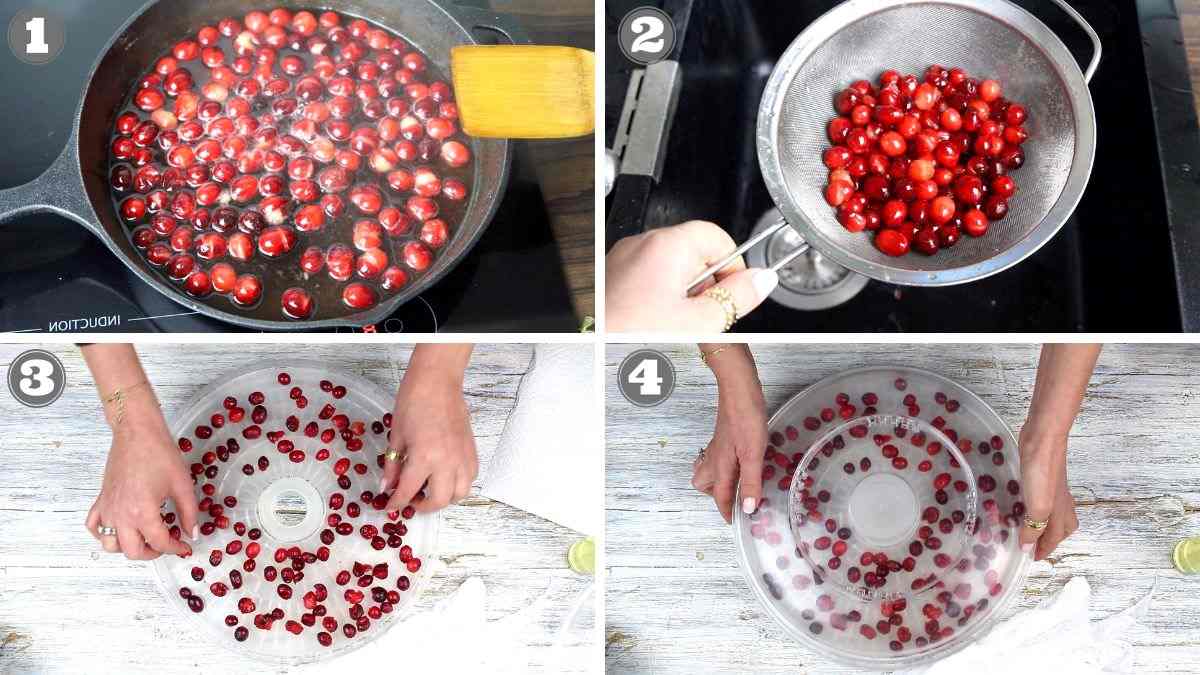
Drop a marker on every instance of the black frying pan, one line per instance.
(76, 184)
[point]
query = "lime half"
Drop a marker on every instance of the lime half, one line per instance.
(1186, 556)
(581, 557)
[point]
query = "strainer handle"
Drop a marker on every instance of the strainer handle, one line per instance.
(796, 253)
(1097, 48)
(775, 227)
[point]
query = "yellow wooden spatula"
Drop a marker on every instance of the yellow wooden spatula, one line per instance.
(522, 91)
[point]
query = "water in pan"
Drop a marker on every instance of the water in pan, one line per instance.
(386, 107)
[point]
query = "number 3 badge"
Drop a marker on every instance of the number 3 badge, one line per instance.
(36, 378)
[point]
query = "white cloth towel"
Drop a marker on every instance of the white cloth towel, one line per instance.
(432, 641)
(1054, 637)
(549, 461)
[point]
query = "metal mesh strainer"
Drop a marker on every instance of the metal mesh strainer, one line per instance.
(989, 38)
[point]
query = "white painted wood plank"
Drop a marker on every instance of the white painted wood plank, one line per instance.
(66, 607)
(677, 602)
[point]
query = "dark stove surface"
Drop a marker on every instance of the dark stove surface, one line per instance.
(56, 277)
(1111, 267)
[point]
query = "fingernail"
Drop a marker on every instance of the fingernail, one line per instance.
(765, 281)
(1027, 549)
(382, 484)
(748, 505)
(195, 533)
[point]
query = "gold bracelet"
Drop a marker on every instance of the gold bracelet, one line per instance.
(119, 397)
(705, 356)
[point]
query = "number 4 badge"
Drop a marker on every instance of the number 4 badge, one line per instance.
(646, 378)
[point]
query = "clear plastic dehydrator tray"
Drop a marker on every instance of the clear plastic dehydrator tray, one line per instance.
(888, 535)
(292, 522)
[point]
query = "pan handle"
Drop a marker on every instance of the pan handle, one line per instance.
(58, 190)
(1097, 48)
(483, 19)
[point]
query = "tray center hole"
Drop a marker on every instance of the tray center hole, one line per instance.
(883, 509)
(290, 508)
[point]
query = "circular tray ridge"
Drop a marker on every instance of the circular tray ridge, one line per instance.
(893, 624)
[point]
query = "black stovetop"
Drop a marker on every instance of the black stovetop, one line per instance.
(1111, 268)
(55, 276)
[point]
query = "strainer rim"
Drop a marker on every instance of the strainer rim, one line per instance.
(1034, 30)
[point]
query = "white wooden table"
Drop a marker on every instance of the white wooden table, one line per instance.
(66, 607)
(677, 601)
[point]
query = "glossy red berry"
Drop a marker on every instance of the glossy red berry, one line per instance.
(995, 208)
(359, 296)
(892, 242)
(276, 241)
(247, 290)
(297, 303)
(975, 223)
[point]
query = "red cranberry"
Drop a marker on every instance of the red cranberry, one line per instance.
(434, 232)
(892, 242)
(251, 222)
(455, 154)
(417, 256)
(199, 284)
(1013, 157)
(454, 189)
(359, 296)
(969, 189)
(422, 208)
(276, 241)
(367, 199)
(892, 144)
(975, 223)
(297, 303)
(995, 208)
(210, 246)
(393, 279)
(371, 263)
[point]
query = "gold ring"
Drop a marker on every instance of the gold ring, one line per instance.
(725, 299)
(391, 455)
(1035, 525)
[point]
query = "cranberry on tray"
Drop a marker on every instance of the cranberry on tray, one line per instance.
(921, 161)
(261, 139)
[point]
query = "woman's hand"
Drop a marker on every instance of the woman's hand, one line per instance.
(144, 468)
(647, 277)
(1062, 379)
(431, 431)
(734, 456)
(1046, 492)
